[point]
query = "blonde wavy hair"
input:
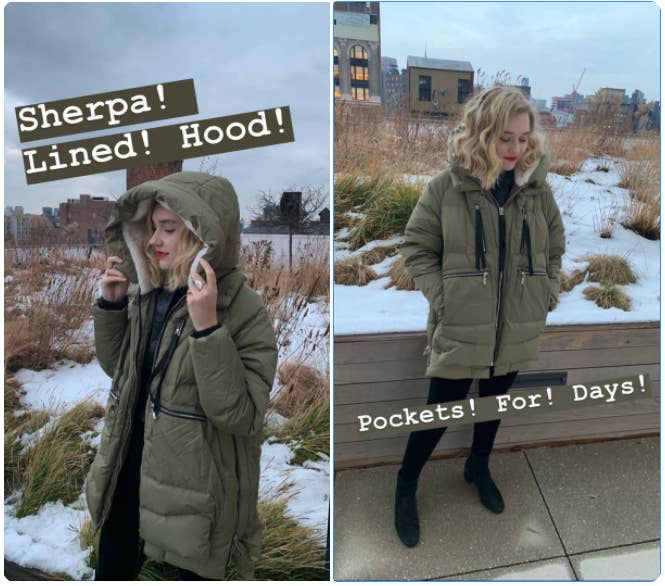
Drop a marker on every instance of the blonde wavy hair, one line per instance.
(188, 246)
(485, 118)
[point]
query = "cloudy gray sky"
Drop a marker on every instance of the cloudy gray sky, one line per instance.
(242, 57)
(549, 42)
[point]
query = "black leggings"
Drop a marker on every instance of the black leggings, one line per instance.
(120, 556)
(421, 444)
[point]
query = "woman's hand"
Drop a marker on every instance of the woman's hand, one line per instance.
(202, 298)
(114, 283)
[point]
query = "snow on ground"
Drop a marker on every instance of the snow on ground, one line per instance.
(49, 540)
(309, 491)
(59, 388)
(372, 309)
(307, 342)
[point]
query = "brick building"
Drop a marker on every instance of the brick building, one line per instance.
(84, 219)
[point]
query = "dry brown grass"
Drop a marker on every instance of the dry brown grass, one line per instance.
(569, 148)
(302, 386)
(352, 271)
(399, 277)
(48, 298)
(608, 296)
(57, 464)
(568, 282)
(643, 218)
(609, 269)
(378, 254)
(374, 141)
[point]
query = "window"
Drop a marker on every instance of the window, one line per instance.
(424, 88)
(359, 61)
(360, 93)
(338, 93)
(463, 90)
(359, 73)
(359, 52)
(336, 65)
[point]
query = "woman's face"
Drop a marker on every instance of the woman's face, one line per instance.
(513, 142)
(168, 231)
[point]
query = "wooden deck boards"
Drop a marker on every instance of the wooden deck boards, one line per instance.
(388, 370)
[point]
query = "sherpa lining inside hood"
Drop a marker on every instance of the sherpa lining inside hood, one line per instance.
(208, 206)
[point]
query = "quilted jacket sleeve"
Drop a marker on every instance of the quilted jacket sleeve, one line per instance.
(110, 326)
(423, 247)
(234, 374)
(557, 239)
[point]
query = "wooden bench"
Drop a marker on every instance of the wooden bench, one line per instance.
(388, 370)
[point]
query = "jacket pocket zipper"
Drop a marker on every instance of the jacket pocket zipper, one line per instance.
(179, 414)
(114, 389)
(526, 273)
(484, 274)
(234, 540)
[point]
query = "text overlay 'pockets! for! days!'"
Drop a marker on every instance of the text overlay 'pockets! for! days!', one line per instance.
(390, 422)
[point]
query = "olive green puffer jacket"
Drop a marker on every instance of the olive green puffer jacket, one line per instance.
(208, 396)
(481, 316)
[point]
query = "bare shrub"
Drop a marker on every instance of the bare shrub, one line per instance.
(604, 221)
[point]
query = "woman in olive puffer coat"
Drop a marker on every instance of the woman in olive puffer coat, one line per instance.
(192, 358)
(484, 245)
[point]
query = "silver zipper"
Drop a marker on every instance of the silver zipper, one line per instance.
(534, 274)
(181, 414)
(469, 274)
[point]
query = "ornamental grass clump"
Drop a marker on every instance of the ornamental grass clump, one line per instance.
(289, 552)
(387, 213)
(378, 254)
(568, 282)
(399, 277)
(352, 271)
(57, 464)
(302, 386)
(608, 296)
(609, 269)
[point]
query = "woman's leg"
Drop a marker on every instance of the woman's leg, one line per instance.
(421, 443)
(485, 431)
(187, 575)
(119, 555)
(419, 448)
(476, 468)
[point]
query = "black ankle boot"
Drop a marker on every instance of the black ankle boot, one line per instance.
(406, 511)
(476, 470)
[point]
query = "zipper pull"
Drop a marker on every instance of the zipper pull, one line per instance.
(501, 210)
(522, 277)
(154, 412)
(485, 277)
(179, 328)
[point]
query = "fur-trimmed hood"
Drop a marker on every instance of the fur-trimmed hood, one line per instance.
(207, 204)
(535, 175)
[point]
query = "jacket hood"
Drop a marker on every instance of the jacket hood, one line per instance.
(534, 175)
(207, 204)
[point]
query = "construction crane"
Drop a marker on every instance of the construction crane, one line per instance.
(574, 94)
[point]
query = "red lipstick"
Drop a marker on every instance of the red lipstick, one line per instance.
(160, 254)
